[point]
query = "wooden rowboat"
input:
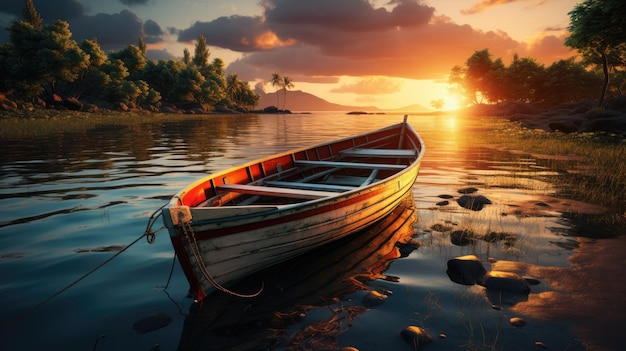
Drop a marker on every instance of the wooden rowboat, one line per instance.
(233, 223)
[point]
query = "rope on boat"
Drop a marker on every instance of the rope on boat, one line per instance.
(193, 244)
(150, 236)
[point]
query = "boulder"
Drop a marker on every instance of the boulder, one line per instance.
(474, 203)
(466, 270)
(73, 104)
(506, 281)
(462, 237)
(53, 100)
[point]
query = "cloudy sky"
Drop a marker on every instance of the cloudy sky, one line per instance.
(388, 53)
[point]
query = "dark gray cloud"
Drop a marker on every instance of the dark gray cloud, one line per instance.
(238, 33)
(134, 2)
(113, 31)
(50, 11)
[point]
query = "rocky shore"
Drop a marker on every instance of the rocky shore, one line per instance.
(581, 117)
(57, 102)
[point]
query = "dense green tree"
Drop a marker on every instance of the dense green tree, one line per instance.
(567, 81)
(476, 74)
(133, 58)
(31, 15)
(524, 78)
(41, 58)
(597, 30)
(93, 79)
(201, 53)
(186, 57)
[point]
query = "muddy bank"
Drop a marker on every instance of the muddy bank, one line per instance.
(582, 117)
(589, 294)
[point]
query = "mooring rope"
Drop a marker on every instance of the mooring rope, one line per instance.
(150, 236)
(193, 245)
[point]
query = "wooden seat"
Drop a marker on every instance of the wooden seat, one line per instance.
(310, 186)
(380, 166)
(274, 191)
(393, 153)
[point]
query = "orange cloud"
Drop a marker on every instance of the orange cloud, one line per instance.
(485, 4)
(371, 86)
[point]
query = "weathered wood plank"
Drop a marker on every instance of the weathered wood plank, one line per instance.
(310, 186)
(357, 152)
(274, 191)
(350, 164)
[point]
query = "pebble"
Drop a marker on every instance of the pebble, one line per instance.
(373, 298)
(468, 190)
(541, 345)
(416, 336)
(517, 322)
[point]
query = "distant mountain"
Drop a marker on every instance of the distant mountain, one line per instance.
(299, 101)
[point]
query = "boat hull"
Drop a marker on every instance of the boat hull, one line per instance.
(215, 250)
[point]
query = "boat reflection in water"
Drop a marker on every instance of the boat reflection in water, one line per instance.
(319, 278)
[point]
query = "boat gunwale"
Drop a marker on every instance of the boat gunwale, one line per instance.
(176, 200)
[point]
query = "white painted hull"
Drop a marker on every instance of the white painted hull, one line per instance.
(232, 243)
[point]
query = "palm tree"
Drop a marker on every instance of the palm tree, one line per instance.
(287, 84)
(234, 88)
(277, 81)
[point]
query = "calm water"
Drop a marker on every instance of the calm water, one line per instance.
(68, 202)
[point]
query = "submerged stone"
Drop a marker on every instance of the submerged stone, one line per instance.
(373, 298)
(517, 322)
(466, 270)
(506, 281)
(462, 237)
(474, 203)
(416, 337)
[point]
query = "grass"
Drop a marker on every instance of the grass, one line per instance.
(599, 173)
(30, 124)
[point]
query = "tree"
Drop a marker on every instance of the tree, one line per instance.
(287, 84)
(437, 104)
(277, 82)
(524, 79)
(133, 58)
(186, 57)
(478, 66)
(31, 15)
(201, 53)
(597, 30)
(41, 58)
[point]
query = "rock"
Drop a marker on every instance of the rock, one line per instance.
(466, 270)
(541, 345)
(517, 322)
(7, 105)
(373, 298)
(468, 190)
(416, 337)
(349, 348)
(462, 237)
(271, 109)
(73, 104)
(506, 281)
(445, 196)
(53, 100)
(443, 203)
(474, 203)
(566, 127)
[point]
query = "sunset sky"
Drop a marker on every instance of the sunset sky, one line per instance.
(387, 53)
